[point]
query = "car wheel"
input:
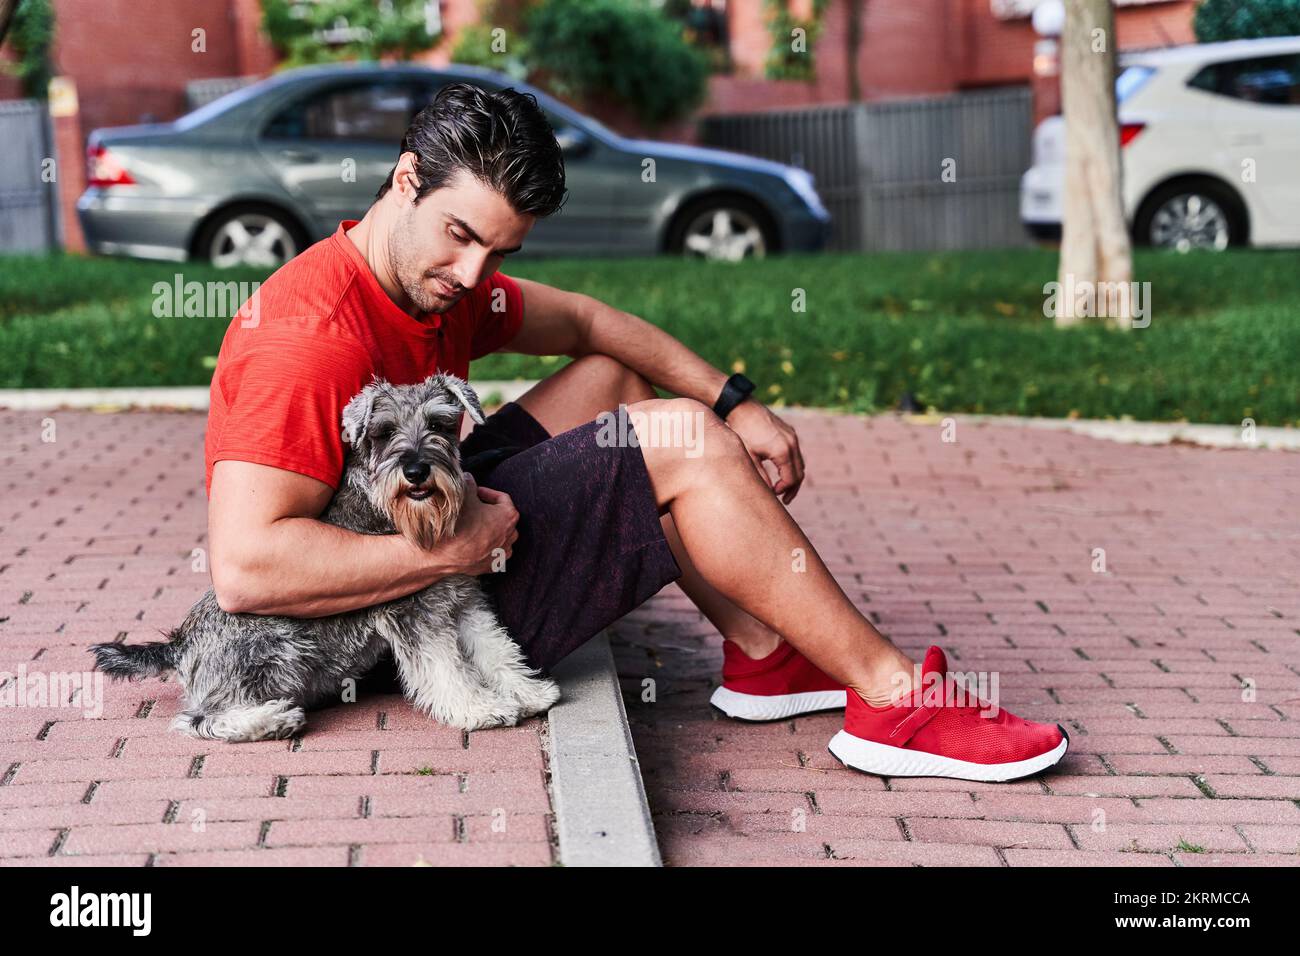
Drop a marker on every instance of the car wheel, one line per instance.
(723, 229)
(250, 236)
(1192, 215)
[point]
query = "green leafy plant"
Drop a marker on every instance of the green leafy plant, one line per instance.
(331, 30)
(478, 45)
(1219, 20)
(784, 62)
(32, 34)
(619, 50)
(499, 40)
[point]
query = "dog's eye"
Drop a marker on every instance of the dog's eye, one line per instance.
(382, 433)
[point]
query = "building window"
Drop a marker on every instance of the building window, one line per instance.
(704, 24)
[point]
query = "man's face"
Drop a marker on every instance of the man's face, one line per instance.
(451, 240)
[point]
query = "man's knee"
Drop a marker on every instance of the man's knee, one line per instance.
(681, 433)
(615, 378)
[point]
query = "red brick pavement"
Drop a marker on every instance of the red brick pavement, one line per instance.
(98, 531)
(985, 546)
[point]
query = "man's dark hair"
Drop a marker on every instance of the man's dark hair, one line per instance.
(501, 138)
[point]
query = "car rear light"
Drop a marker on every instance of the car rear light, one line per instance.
(103, 168)
(1128, 132)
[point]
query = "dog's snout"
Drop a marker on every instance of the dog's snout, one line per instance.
(415, 471)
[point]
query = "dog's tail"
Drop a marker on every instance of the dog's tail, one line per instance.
(239, 723)
(137, 660)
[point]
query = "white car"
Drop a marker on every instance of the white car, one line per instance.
(1210, 139)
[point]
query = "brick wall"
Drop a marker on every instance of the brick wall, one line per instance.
(131, 59)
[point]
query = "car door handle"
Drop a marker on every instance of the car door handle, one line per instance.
(299, 155)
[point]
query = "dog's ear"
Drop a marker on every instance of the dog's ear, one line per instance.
(468, 397)
(356, 414)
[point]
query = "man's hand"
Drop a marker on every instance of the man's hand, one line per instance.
(566, 323)
(768, 438)
(486, 527)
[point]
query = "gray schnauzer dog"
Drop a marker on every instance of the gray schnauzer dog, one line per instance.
(252, 677)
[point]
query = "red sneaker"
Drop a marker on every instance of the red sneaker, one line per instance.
(933, 733)
(783, 684)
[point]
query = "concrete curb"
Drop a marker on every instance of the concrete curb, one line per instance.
(50, 399)
(508, 390)
(187, 398)
(1267, 437)
(601, 814)
(1147, 433)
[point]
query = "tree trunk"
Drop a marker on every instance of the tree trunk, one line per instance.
(7, 8)
(1095, 249)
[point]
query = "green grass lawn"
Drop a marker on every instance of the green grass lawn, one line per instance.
(960, 331)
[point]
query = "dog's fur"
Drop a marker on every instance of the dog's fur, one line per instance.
(252, 677)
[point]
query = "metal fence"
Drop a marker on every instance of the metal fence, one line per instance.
(880, 167)
(28, 202)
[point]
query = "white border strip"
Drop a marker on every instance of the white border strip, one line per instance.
(601, 813)
(190, 398)
(509, 390)
(42, 399)
(1151, 433)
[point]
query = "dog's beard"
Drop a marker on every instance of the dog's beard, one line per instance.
(426, 521)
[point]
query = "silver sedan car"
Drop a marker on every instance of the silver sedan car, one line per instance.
(254, 177)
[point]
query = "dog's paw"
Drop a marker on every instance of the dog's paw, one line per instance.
(535, 695)
(502, 712)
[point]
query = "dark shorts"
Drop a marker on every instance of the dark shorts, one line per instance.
(590, 547)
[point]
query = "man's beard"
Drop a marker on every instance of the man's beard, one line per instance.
(405, 262)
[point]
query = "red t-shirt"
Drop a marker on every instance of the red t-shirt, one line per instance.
(322, 329)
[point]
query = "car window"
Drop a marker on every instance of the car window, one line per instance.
(1272, 80)
(372, 111)
(559, 120)
(1131, 80)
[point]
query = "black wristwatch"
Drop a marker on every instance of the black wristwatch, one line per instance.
(735, 391)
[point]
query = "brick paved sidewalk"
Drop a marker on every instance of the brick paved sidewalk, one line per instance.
(985, 547)
(97, 536)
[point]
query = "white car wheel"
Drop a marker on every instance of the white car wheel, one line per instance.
(251, 239)
(1190, 221)
(724, 233)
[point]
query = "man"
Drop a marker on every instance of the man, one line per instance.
(590, 527)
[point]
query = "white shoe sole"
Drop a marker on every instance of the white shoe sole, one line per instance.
(887, 761)
(777, 706)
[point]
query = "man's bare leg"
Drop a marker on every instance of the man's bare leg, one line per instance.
(717, 499)
(751, 635)
(574, 396)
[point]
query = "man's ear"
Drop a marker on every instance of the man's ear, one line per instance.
(356, 414)
(404, 173)
(468, 397)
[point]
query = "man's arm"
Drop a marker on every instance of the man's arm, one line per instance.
(557, 322)
(270, 554)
